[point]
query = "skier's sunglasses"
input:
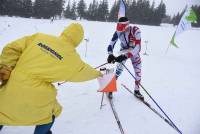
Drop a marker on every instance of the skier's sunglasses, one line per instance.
(121, 27)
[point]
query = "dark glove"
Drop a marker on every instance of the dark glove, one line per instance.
(120, 58)
(111, 58)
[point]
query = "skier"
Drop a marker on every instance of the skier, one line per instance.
(29, 66)
(130, 38)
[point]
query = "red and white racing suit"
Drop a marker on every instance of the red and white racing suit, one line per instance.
(130, 46)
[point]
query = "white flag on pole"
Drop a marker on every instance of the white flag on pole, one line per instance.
(122, 9)
(185, 23)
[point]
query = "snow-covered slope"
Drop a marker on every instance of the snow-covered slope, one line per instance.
(172, 78)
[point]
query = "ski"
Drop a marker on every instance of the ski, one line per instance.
(151, 108)
(115, 114)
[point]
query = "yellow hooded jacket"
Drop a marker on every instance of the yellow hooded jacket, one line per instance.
(28, 97)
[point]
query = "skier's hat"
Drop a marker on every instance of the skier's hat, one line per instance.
(122, 24)
(123, 20)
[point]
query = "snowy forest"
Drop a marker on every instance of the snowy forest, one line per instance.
(140, 11)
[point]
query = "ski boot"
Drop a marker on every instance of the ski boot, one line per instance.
(138, 95)
(110, 95)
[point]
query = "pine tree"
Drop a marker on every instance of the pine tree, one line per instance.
(12, 7)
(73, 11)
(103, 10)
(48, 8)
(3, 4)
(58, 7)
(106, 9)
(131, 8)
(92, 12)
(114, 12)
(146, 12)
(38, 8)
(152, 13)
(27, 8)
(89, 12)
(67, 12)
(160, 13)
(81, 9)
(162, 7)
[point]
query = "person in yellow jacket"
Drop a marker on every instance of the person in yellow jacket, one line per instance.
(29, 66)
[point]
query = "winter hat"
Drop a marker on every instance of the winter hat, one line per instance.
(123, 20)
(122, 24)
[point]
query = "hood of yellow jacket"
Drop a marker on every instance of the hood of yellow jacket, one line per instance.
(73, 34)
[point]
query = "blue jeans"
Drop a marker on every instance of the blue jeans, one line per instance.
(41, 129)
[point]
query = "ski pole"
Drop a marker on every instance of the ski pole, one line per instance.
(101, 65)
(153, 100)
(94, 68)
(86, 42)
(149, 106)
(102, 101)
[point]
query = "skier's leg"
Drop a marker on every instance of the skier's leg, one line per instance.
(118, 72)
(44, 129)
(1, 126)
(119, 69)
(136, 62)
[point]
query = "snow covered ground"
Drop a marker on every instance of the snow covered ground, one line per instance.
(172, 79)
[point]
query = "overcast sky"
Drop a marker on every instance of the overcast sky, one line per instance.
(173, 6)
